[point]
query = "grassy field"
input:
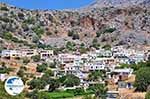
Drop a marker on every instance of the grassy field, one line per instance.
(62, 95)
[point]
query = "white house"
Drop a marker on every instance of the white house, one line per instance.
(76, 70)
(104, 53)
(28, 52)
(139, 56)
(122, 59)
(19, 53)
(6, 53)
(46, 54)
(97, 65)
(66, 58)
(11, 53)
(71, 68)
(126, 71)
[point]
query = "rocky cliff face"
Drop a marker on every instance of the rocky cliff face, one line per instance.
(109, 25)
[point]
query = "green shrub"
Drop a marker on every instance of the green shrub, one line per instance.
(69, 80)
(107, 47)
(98, 34)
(95, 43)
(4, 70)
(70, 33)
(14, 39)
(26, 60)
(70, 46)
(147, 96)
(37, 83)
(36, 58)
(109, 30)
(99, 90)
(142, 80)
(7, 36)
(30, 20)
(39, 31)
(41, 68)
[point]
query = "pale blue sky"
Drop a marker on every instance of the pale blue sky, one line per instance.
(48, 4)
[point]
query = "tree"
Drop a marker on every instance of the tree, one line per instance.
(99, 89)
(96, 75)
(42, 67)
(4, 69)
(147, 96)
(69, 80)
(26, 60)
(95, 43)
(33, 94)
(36, 58)
(21, 73)
(47, 75)
(37, 83)
(53, 84)
(142, 80)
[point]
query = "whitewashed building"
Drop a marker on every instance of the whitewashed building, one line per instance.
(10, 53)
(46, 54)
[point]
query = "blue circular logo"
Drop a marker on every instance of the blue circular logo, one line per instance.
(14, 85)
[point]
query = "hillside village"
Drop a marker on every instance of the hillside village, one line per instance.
(96, 52)
(112, 68)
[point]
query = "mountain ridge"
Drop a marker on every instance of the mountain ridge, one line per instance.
(108, 25)
(118, 3)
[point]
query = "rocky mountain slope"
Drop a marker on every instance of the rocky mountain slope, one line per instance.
(118, 3)
(108, 25)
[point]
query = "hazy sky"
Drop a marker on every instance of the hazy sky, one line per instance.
(48, 4)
